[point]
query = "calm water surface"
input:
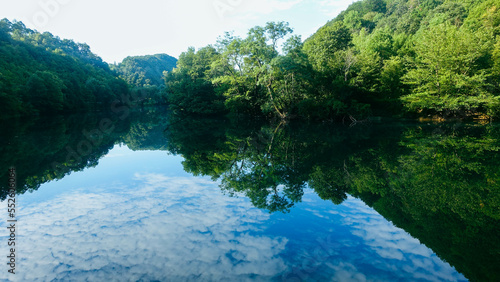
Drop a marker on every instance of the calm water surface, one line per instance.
(158, 198)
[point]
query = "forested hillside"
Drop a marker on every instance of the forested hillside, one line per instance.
(414, 58)
(145, 74)
(432, 58)
(41, 73)
(145, 70)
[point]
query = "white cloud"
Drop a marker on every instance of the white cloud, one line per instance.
(183, 228)
(370, 249)
(176, 229)
(394, 245)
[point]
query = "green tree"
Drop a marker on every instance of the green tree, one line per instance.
(276, 31)
(391, 84)
(322, 48)
(189, 88)
(353, 21)
(448, 78)
(41, 73)
(145, 70)
(486, 14)
(250, 74)
(378, 6)
(45, 91)
(289, 80)
(329, 185)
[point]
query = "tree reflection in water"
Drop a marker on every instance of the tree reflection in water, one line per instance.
(439, 182)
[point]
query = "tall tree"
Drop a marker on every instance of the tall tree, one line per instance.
(322, 48)
(448, 78)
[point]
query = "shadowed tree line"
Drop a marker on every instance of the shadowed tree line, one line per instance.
(49, 148)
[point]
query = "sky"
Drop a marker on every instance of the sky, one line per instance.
(115, 29)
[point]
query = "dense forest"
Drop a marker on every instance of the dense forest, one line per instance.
(431, 58)
(145, 74)
(43, 74)
(147, 70)
(399, 58)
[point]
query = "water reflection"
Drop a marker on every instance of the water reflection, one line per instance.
(178, 228)
(182, 228)
(439, 183)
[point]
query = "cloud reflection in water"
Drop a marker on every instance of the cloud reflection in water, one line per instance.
(183, 228)
(166, 228)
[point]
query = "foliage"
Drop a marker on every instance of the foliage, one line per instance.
(439, 180)
(42, 74)
(45, 91)
(145, 70)
(188, 86)
(49, 148)
(145, 75)
(449, 77)
(437, 58)
(383, 57)
(250, 75)
(324, 46)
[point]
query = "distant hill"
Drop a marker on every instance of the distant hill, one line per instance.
(41, 73)
(147, 70)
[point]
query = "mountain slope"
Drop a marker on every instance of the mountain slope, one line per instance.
(42, 74)
(436, 58)
(145, 70)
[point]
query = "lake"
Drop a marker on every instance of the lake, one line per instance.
(149, 196)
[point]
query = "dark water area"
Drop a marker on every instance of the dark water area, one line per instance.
(149, 196)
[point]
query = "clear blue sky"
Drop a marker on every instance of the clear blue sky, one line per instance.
(115, 29)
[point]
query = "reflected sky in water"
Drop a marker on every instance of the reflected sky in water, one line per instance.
(138, 216)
